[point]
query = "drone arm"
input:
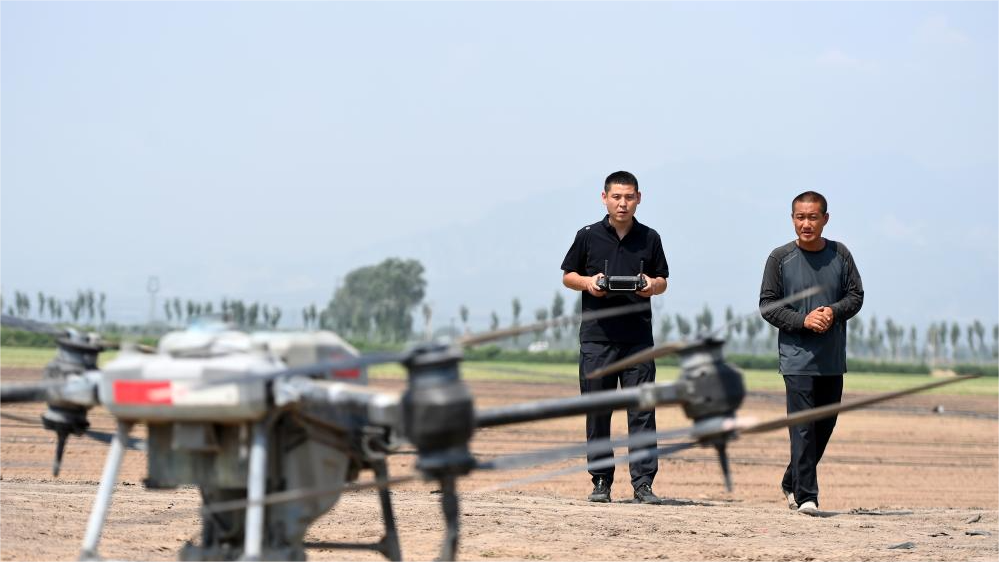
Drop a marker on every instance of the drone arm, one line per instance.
(380, 408)
(645, 396)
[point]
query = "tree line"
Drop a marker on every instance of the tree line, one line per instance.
(379, 303)
(87, 305)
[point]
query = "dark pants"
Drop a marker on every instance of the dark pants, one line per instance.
(593, 355)
(809, 440)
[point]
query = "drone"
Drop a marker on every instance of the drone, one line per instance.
(274, 427)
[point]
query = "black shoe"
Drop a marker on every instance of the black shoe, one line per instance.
(601, 491)
(643, 494)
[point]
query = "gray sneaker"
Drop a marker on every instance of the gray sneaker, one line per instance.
(601, 491)
(789, 496)
(809, 508)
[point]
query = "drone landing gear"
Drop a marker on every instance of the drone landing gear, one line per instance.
(449, 502)
(102, 502)
(389, 545)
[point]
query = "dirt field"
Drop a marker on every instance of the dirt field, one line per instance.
(894, 475)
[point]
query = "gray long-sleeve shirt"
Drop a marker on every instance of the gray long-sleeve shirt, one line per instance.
(790, 270)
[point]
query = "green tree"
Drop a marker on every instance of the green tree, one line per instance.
(729, 322)
(980, 332)
(252, 313)
(91, 301)
(955, 336)
(540, 315)
(666, 327)
(704, 320)
(874, 338)
(463, 312)
(102, 307)
(41, 305)
(23, 304)
(682, 326)
(75, 308)
(754, 326)
(428, 315)
(558, 309)
(378, 300)
(516, 315)
(494, 321)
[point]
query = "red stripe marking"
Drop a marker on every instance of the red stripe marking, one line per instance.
(141, 392)
(350, 374)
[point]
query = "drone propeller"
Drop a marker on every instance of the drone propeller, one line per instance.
(668, 348)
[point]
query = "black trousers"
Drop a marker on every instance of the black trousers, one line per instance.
(593, 355)
(809, 440)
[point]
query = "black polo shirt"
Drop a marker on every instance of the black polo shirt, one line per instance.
(598, 242)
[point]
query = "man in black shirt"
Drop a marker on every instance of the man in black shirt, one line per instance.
(812, 339)
(624, 247)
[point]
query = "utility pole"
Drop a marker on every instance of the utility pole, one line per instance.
(152, 287)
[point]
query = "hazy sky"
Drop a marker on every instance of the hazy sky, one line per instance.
(263, 150)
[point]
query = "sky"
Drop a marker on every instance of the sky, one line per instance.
(262, 150)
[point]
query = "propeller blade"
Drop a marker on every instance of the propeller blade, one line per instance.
(668, 348)
(345, 364)
(29, 392)
(31, 326)
(15, 417)
(602, 463)
(767, 308)
(134, 443)
(306, 493)
(640, 357)
(476, 339)
(808, 416)
(535, 458)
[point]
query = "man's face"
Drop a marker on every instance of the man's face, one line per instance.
(809, 220)
(621, 201)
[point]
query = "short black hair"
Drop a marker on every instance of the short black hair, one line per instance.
(620, 178)
(811, 197)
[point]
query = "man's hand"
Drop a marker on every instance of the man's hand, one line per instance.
(591, 286)
(649, 289)
(820, 319)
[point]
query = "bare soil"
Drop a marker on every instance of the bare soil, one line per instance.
(893, 475)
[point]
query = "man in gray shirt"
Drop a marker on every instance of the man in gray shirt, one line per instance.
(812, 339)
